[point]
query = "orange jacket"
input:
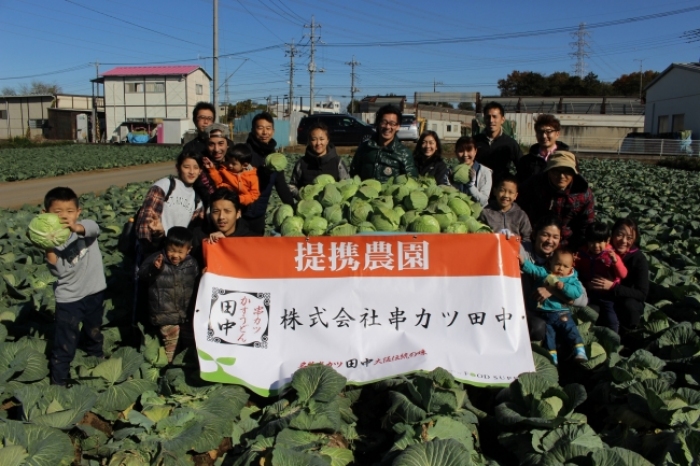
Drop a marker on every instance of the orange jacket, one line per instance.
(244, 183)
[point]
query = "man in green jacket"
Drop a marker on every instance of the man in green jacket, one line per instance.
(383, 156)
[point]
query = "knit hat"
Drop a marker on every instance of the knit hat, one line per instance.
(561, 159)
(216, 127)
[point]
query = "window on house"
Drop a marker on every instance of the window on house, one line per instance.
(3, 114)
(199, 89)
(155, 87)
(663, 126)
(678, 122)
(449, 128)
(37, 124)
(133, 88)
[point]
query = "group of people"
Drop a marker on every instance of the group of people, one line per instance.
(223, 190)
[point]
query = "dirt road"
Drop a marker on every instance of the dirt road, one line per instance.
(15, 194)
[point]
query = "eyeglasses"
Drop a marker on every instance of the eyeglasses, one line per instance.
(388, 124)
(545, 131)
(205, 118)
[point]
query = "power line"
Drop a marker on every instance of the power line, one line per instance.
(513, 35)
(258, 21)
(133, 24)
(66, 70)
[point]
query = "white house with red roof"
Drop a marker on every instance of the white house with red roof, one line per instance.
(143, 96)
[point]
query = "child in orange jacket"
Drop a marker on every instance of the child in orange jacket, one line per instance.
(236, 173)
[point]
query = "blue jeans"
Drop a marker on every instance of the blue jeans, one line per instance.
(607, 315)
(560, 324)
(67, 335)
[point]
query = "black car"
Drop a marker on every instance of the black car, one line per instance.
(342, 129)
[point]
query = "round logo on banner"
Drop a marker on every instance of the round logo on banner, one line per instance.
(238, 317)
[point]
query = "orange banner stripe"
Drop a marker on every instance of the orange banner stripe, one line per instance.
(364, 256)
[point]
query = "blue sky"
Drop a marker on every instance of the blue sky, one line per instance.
(59, 41)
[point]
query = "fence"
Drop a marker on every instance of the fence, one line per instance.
(285, 132)
(634, 146)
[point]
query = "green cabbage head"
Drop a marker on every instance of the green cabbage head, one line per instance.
(282, 212)
(359, 210)
(385, 219)
(457, 227)
(310, 191)
(366, 227)
(462, 174)
(459, 207)
(333, 213)
(416, 200)
(309, 208)
(324, 179)
(315, 226)
(425, 224)
(331, 195)
(343, 230)
(276, 162)
(292, 226)
(46, 231)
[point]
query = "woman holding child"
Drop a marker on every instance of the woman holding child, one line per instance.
(629, 294)
(428, 158)
(546, 237)
(320, 158)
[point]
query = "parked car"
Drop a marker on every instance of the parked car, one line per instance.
(408, 131)
(343, 130)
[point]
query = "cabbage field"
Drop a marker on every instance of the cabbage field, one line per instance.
(631, 405)
(18, 164)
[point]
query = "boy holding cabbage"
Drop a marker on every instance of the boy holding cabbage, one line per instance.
(75, 259)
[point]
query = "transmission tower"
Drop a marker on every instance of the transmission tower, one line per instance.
(581, 53)
(353, 89)
(291, 52)
(313, 38)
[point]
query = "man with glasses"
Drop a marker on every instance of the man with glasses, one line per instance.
(383, 156)
(495, 149)
(547, 130)
(203, 115)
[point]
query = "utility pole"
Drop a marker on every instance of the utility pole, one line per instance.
(581, 53)
(641, 62)
(292, 53)
(436, 84)
(353, 89)
(216, 56)
(312, 63)
(95, 121)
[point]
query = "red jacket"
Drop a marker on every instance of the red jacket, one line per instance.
(244, 183)
(591, 265)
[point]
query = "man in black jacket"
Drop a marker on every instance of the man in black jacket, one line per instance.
(203, 115)
(494, 149)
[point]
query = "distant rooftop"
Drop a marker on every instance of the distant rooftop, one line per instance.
(171, 70)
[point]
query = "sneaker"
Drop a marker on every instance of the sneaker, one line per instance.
(580, 354)
(555, 360)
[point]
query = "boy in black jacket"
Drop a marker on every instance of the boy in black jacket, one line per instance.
(171, 276)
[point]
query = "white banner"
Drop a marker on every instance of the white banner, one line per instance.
(256, 325)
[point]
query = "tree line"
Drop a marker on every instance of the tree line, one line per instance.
(560, 83)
